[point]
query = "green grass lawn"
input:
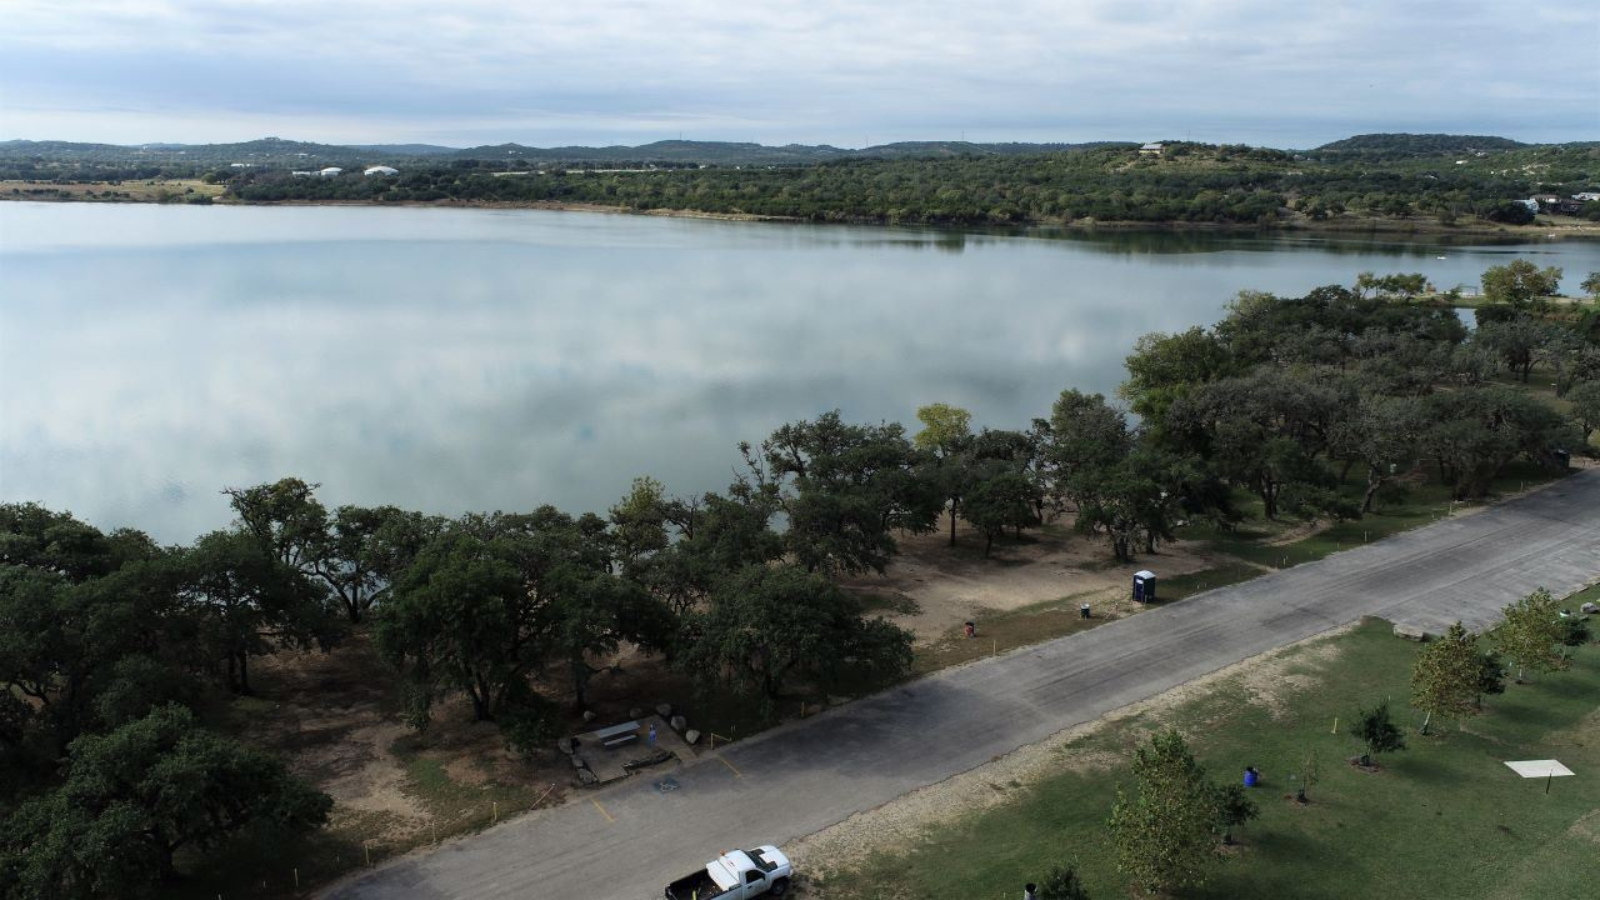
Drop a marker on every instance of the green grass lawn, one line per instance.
(1445, 818)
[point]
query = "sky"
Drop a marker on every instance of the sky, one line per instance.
(844, 72)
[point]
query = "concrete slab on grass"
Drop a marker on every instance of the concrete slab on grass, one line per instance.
(1539, 768)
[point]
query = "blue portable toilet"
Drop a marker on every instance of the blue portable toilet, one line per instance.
(1144, 586)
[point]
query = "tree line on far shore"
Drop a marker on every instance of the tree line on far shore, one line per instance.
(113, 648)
(1185, 183)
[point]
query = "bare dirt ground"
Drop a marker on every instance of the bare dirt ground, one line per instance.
(335, 717)
(932, 588)
(897, 825)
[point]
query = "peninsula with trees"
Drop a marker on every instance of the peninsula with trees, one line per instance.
(1394, 182)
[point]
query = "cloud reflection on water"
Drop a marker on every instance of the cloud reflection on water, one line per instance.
(461, 359)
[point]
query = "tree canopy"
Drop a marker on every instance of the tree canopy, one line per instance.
(1532, 634)
(766, 624)
(845, 490)
(132, 798)
(1165, 831)
(1448, 678)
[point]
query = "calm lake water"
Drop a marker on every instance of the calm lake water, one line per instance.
(449, 360)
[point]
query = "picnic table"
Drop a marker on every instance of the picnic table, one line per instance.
(617, 735)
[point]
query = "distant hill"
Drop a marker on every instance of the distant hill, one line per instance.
(1419, 144)
(738, 153)
(279, 152)
(406, 149)
(21, 159)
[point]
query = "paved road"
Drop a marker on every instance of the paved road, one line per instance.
(625, 841)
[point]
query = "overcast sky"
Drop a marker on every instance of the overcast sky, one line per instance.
(845, 72)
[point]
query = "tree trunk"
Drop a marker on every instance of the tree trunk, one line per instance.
(169, 868)
(1372, 491)
(1425, 720)
(244, 674)
(952, 522)
(479, 692)
(580, 681)
(988, 543)
(1269, 501)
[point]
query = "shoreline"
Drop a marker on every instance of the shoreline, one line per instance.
(1349, 227)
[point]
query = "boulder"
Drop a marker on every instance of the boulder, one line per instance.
(691, 736)
(1589, 609)
(664, 710)
(635, 713)
(577, 762)
(588, 715)
(586, 777)
(1410, 633)
(679, 724)
(567, 746)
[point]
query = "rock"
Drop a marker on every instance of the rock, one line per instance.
(679, 723)
(1410, 633)
(635, 713)
(577, 762)
(586, 777)
(691, 736)
(588, 715)
(664, 710)
(567, 746)
(1589, 609)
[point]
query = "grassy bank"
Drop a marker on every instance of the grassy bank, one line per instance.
(1444, 819)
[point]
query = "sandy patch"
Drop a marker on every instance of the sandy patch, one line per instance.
(949, 585)
(328, 714)
(377, 786)
(1269, 685)
(1588, 827)
(897, 825)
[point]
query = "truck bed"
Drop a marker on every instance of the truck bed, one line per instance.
(686, 888)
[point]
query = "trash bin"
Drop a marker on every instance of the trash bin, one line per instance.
(1144, 586)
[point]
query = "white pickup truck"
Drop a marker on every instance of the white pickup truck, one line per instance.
(736, 875)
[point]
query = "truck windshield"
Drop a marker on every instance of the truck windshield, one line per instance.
(765, 864)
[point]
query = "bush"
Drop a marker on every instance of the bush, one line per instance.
(1577, 633)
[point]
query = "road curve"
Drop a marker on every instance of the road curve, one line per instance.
(625, 841)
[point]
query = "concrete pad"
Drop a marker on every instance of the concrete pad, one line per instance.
(1539, 768)
(612, 764)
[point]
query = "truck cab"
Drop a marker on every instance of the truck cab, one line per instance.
(736, 875)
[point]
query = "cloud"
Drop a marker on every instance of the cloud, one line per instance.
(825, 70)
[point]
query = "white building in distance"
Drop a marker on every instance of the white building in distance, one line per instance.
(381, 170)
(331, 171)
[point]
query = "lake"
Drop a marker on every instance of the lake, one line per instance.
(466, 359)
